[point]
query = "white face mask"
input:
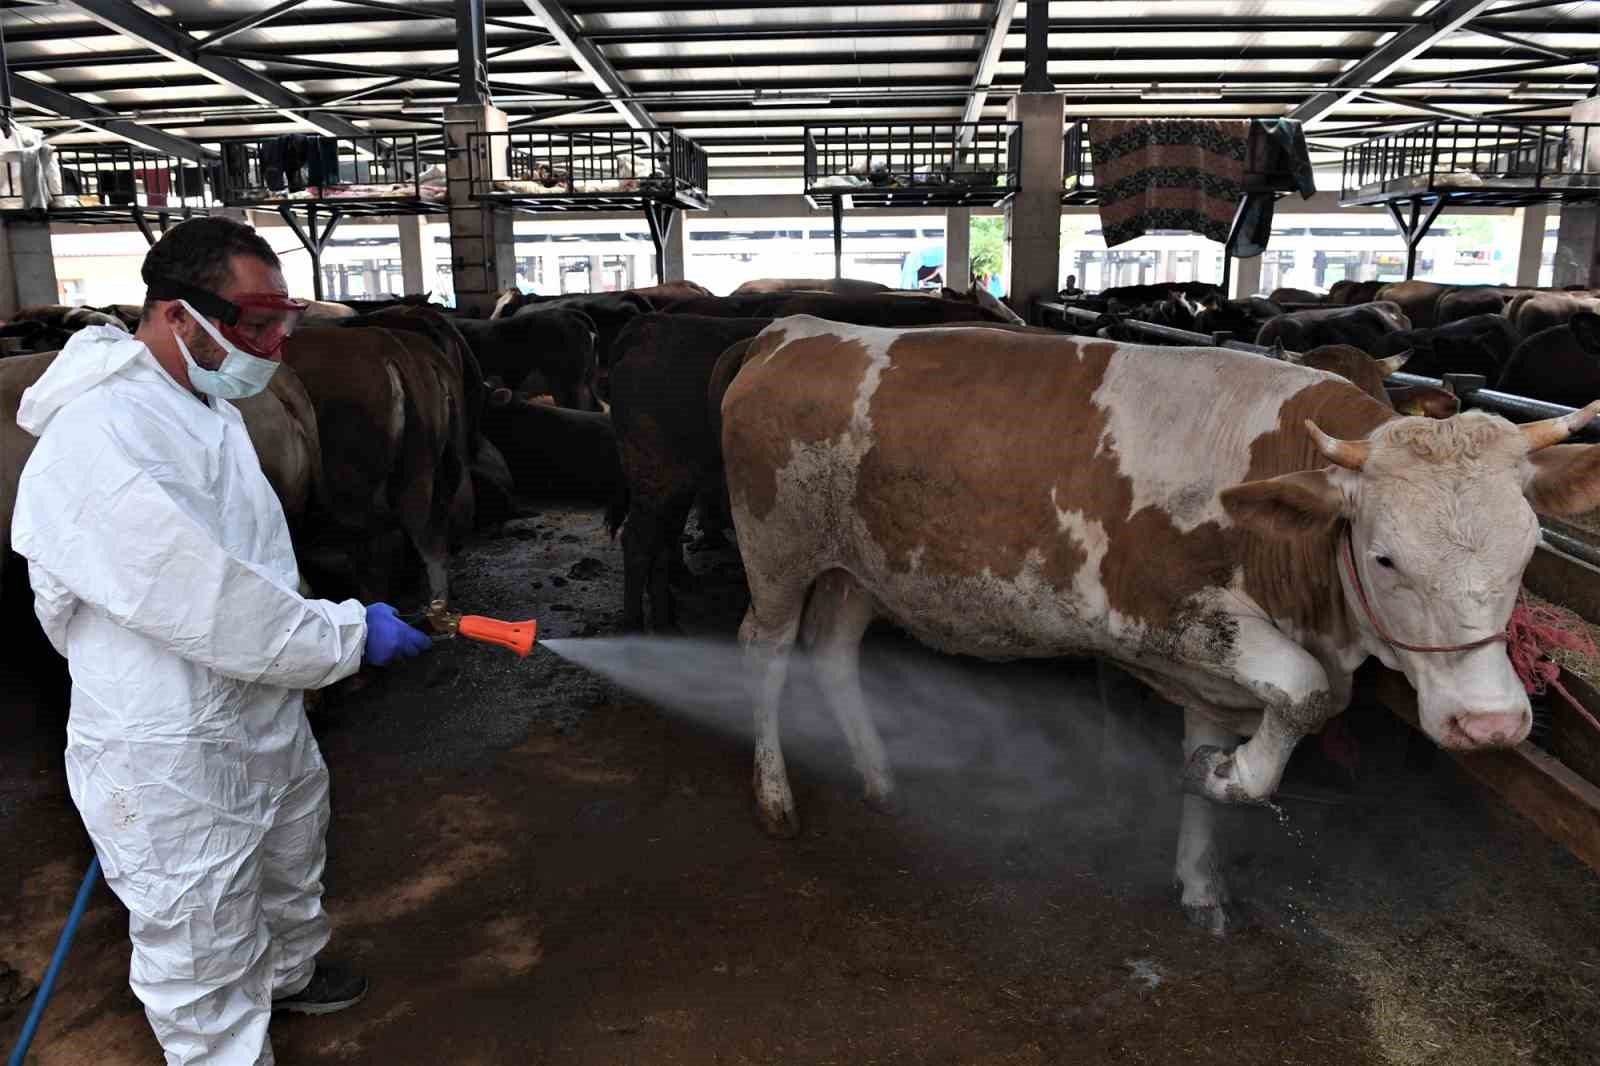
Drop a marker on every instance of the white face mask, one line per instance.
(241, 374)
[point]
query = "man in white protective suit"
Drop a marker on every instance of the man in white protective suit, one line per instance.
(162, 569)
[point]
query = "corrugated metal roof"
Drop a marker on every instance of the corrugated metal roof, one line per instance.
(698, 65)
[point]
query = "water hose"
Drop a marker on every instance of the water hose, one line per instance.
(42, 996)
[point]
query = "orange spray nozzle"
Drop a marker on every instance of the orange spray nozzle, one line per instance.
(517, 636)
(514, 636)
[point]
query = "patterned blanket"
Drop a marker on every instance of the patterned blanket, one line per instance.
(1181, 174)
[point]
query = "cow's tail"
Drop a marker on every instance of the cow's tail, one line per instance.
(617, 510)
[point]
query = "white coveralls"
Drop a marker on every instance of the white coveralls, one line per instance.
(162, 570)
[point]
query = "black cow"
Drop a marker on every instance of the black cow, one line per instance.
(1482, 344)
(557, 344)
(669, 447)
(1558, 365)
(1363, 326)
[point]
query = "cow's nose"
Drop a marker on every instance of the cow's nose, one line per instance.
(1495, 728)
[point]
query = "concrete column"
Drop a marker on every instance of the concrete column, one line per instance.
(482, 241)
(1531, 250)
(596, 277)
(371, 280)
(958, 248)
(1033, 215)
(27, 266)
(1578, 241)
(1246, 278)
(675, 257)
(413, 266)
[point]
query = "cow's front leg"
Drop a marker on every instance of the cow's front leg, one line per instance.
(1296, 698)
(1199, 871)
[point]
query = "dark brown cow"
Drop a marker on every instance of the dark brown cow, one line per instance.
(838, 286)
(384, 403)
(552, 451)
(884, 309)
(1536, 312)
(1181, 512)
(1362, 326)
(1351, 293)
(671, 290)
(668, 447)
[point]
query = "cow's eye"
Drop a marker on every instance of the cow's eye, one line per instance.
(1386, 562)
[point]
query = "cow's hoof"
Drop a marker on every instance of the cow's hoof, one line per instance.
(1214, 774)
(1213, 918)
(1207, 771)
(780, 824)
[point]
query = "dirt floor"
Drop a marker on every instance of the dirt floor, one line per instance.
(534, 866)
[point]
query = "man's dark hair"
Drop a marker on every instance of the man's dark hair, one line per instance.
(200, 252)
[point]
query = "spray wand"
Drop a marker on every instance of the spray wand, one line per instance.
(444, 624)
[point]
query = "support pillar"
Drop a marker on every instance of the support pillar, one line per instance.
(958, 248)
(1530, 251)
(27, 267)
(674, 264)
(413, 265)
(482, 241)
(1246, 278)
(1578, 240)
(1033, 215)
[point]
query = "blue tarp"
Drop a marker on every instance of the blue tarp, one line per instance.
(931, 255)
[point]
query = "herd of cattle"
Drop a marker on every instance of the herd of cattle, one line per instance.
(993, 488)
(1539, 343)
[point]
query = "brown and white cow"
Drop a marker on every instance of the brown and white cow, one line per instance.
(1182, 512)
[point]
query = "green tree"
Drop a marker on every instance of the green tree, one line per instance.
(988, 240)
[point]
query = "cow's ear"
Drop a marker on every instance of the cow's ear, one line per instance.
(1586, 328)
(1425, 401)
(1564, 479)
(1293, 505)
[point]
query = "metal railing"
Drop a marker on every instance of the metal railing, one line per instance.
(575, 162)
(267, 171)
(97, 177)
(1462, 156)
(844, 157)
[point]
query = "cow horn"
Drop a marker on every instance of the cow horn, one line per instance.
(1391, 364)
(1350, 454)
(1555, 430)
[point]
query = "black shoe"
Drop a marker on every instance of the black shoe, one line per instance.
(333, 988)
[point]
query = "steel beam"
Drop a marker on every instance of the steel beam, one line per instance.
(249, 22)
(1036, 70)
(587, 55)
(1443, 19)
(138, 24)
(69, 106)
(472, 47)
(994, 42)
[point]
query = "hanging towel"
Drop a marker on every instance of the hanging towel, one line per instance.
(322, 166)
(1279, 158)
(1184, 174)
(157, 184)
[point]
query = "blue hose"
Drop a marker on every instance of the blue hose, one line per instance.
(42, 996)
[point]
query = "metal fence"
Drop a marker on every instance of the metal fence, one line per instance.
(1460, 157)
(979, 155)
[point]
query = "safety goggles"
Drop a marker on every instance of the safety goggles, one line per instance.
(258, 322)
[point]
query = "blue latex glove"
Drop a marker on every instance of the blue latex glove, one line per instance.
(389, 639)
